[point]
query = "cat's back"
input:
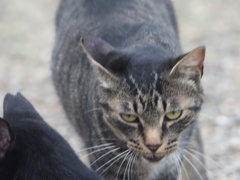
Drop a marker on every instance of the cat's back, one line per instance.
(114, 21)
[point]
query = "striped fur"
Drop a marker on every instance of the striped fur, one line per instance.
(129, 61)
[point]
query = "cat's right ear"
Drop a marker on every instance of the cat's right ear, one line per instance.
(105, 59)
(190, 66)
(7, 138)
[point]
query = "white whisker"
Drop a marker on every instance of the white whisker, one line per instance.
(121, 155)
(97, 151)
(104, 155)
(131, 160)
(177, 165)
(208, 158)
(203, 165)
(207, 116)
(109, 161)
(122, 164)
(195, 169)
(183, 166)
(180, 170)
(127, 166)
(135, 156)
(93, 147)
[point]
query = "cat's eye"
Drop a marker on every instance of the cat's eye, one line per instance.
(173, 115)
(129, 117)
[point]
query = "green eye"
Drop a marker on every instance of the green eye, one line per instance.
(173, 115)
(128, 117)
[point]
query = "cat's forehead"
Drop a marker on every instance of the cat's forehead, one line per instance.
(145, 83)
(159, 93)
(147, 72)
(143, 95)
(148, 59)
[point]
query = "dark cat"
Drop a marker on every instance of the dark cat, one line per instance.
(31, 150)
(128, 87)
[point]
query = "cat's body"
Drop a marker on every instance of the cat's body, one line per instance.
(31, 150)
(135, 75)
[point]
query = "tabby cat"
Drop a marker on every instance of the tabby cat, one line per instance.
(125, 84)
(31, 150)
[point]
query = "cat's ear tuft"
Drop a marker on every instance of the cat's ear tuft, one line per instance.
(191, 65)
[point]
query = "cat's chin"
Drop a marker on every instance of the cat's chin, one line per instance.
(154, 159)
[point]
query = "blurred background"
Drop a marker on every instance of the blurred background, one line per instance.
(26, 41)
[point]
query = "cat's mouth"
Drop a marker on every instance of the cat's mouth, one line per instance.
(154, 158)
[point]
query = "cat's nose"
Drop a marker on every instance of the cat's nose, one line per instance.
(154, 147)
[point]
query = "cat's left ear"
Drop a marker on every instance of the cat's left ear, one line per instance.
(191, 65)
(106, 59)
(98, 51)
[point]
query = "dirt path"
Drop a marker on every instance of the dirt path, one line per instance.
(27, 35)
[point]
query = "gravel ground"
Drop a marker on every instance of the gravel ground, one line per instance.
(26, 39)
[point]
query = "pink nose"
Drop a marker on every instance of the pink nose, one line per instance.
(153, 148)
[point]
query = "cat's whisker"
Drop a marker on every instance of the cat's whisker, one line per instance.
(180, 169)
(128, 169)
(207, 116)
(93, 147)
(183, 166)
(134, 159)
(121, 156)
(127, 166)
(203, 165)
(104, 139)
(193, 151)
(122, 163)
(176, 161)
(104, 155)
(173, 158)
(207, 158)
(131, 161)
(108, 162)
(91, 110)
(109, 147)
(195, 169)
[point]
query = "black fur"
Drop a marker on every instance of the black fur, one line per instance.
(38, 152)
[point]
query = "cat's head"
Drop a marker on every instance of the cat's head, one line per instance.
(148, 96)
(15, 107)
